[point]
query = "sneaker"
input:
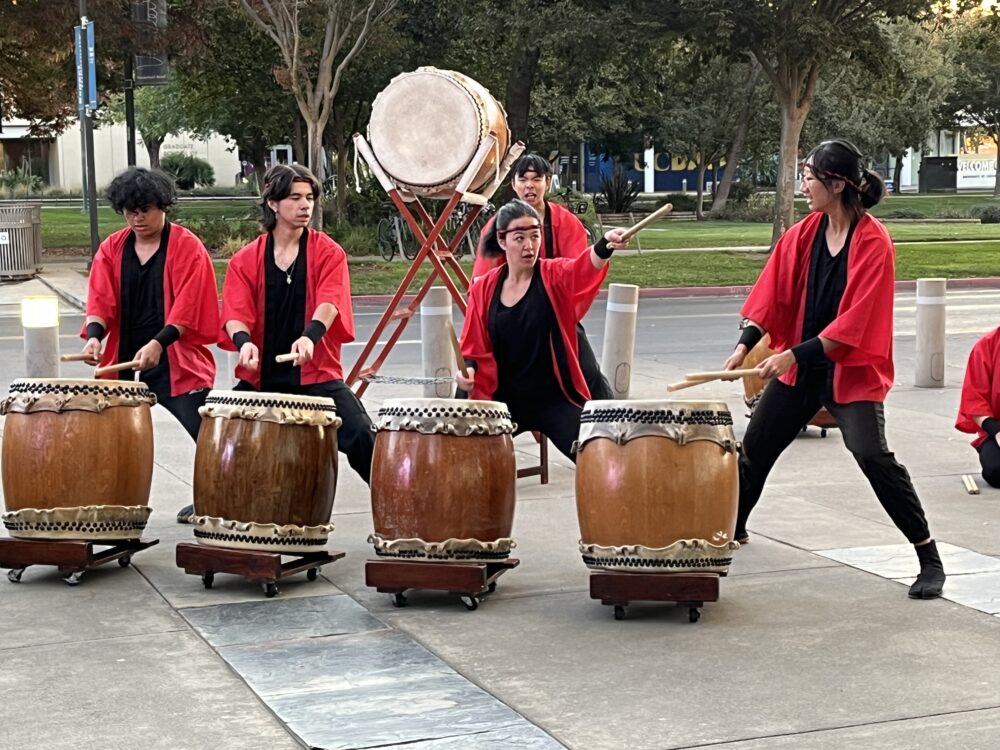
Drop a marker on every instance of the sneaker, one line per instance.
(184, 514)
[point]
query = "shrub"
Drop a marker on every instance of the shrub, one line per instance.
(356, 239)
(990, 215)
(230, 247)
(758, 208)
(905, 213)
(683, 201)
(218, 232)
(617, 193)
(742, 191)
(976, 212)
(188, 170)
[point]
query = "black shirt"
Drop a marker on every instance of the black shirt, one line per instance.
(827, 281)
(142, 315)
(284, 317)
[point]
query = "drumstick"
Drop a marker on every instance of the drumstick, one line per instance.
(78, 357)
(662, 211)
(722, 374)
(456, 348)
(116, 368)
(970, 484)
(290, 357)
(687, 384)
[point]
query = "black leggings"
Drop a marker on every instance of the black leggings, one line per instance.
(600, 388)
(184, 407)
(783, 411)
(558, 420)
(355, 437)
(989, 459)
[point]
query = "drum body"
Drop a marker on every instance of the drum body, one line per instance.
(657, 486)
(443, 477)
(427, 125)
(77, 459)
(265, 471)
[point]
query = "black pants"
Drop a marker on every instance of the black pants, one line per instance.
(557, 419)
(989, 459)
(355, 436)
(783, 411)
(184, 407)
(600, 388)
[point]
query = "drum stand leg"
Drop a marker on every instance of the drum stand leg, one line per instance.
(257, 566)
(72, 558)
(689, 590)
(470, 580)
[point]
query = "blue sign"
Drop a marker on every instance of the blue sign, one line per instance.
(91, 67)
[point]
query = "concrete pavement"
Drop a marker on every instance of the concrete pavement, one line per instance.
(813, 643)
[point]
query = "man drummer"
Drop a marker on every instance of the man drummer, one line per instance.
(563, 236)
(288, 292)
(152, 293)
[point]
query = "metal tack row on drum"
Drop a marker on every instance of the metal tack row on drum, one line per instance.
(656, 485)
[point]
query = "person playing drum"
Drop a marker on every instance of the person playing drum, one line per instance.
(519, 339)
(825, 297)
(288, 291)
(152, 293)
(563, 236)
(979, 409)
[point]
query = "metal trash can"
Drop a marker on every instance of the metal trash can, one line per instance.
(20, 240)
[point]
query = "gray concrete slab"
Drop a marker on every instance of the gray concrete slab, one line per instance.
(900, 561)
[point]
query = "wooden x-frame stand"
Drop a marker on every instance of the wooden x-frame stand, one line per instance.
(440, 252)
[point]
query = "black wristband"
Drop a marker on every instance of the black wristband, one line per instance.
(471, 364)
(991, 426)
(95, 331)
(808, 351)
(168, 335)
(315, 330)
(750, 337)
(240, 338)
(602, 249)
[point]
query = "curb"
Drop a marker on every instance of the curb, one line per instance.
(65, 296)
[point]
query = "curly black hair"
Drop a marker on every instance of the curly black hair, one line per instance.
(137, 188)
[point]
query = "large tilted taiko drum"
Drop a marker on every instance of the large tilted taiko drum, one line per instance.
(77, 459)
(427, 125)
(657, 486)
(265, 471)
(443, 476)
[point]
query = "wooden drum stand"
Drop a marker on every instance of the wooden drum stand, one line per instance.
(72, 558)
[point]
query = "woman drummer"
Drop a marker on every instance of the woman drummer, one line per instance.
(519, 339)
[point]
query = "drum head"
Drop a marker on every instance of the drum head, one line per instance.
(425, 128)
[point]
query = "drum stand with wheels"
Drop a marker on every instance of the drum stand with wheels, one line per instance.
(257, 566)
(73, 558)
(689, 590)
(471, 580)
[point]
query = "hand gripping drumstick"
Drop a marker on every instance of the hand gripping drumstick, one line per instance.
(662, 211)
(290, 357)
(116, 368)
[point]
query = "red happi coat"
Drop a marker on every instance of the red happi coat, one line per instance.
(190, 300)
(571, 285)
(863, 325)
(568, 239)
(981, 388)
(327, 280)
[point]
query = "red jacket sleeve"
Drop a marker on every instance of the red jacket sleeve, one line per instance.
(102, 291)
(978, 386)
(568, 234)
(334, 286)
(239, 294)
(475, 341)
(195, 292)
(577, 281)
(482, 264)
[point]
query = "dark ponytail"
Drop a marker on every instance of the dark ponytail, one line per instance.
(489, 244)
(872, 188)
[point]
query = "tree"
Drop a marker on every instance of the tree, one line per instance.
(159, 112)
(317, 44)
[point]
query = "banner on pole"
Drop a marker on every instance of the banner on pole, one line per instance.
(91, 67)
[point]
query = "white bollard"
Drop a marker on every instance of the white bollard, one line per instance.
(619, 337)
(931, 294)
(40, 320)
(435, 342)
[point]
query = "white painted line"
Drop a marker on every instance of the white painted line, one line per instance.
(435, 310)
(622, 307)
(932, 300)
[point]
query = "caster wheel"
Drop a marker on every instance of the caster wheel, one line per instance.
(270, 590)
(471, 603)
(398, 600)
(492, 587)
(73, 579)
(619, 612)
(125, 560)
(694, 614)
(14, 575)
(207, 580)
(312, 574)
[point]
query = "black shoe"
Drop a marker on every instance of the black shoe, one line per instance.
(185, 513)
(742, 537)
(930, 582)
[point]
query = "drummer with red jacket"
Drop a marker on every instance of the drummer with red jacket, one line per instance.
(563, 236)
(289, 291)
(979, 409)
(825, 297)
(152, 293)
(519, 339)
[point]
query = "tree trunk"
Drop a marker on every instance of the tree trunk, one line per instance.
(699, 212)
(298, 143)
(792, 119)
(153, 149)
(897, 175)
(735, 154)
(342, 186)
(523, 66)
(314, 132)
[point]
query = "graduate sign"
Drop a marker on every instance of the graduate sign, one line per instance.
(91, 68)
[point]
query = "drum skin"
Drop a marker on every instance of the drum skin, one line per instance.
(78, 458)
(437, 487)
(265, 472)
(652, 491)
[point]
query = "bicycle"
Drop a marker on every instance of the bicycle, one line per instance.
(578, 207)
(394, 235)
(470, 242)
